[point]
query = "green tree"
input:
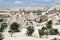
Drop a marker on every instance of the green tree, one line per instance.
(14, 26)
(30, 30)
(11, 31)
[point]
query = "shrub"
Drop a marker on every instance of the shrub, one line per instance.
(56, 31)
(3, 26)
(53, 31)
(44, 28)
(1, 30)
(30, 30)
(1, 20)
(49, 24)
(1, 36)
(55, 39)
(14, 26)
(41, 32)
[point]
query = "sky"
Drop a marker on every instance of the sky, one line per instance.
(27, 3)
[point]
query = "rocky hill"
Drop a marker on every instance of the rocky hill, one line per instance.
(44, 20)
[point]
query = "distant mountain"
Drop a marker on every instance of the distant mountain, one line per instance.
(31, 8)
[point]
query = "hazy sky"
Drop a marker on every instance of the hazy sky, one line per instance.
(28, 3)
